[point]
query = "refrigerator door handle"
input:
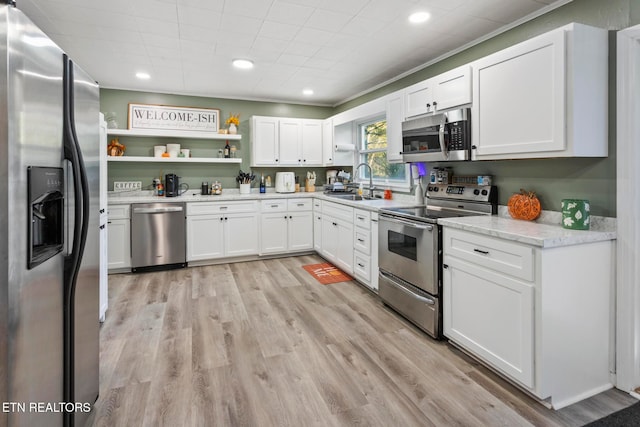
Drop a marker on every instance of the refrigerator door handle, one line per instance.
(81, 226)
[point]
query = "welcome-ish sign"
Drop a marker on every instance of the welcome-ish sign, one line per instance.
(169, 118)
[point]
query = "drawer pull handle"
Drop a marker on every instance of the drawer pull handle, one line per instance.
(361, 240)
(481, 252)
(274, 206)
(301, 204)
(360, 265)
(224, 208)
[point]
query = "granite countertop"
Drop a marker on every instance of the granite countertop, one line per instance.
(234, 195)
(546, 232)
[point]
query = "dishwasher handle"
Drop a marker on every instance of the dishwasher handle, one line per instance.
(157, 210)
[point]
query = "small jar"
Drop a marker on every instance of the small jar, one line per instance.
(233, 151)
(220, 154)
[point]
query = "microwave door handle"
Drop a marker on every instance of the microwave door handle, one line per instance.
(443, 146)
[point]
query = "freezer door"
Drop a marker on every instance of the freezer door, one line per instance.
(86, 104)
(31, 337)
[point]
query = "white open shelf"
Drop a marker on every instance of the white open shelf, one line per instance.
(171, 159)
(172, 134)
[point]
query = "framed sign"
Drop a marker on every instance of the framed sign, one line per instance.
(169, 118)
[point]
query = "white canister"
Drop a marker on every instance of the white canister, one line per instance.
(245, 188)
(186, 152)
(159, 150)
(173, 149)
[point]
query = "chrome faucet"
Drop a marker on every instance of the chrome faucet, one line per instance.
(370, 177)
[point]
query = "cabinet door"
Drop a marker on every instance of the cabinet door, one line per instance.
(311, 143)
(317, 232)
(329, 237)
(264, 141)
(205, 237)
(241, 234)
(327, 142)
(300, 231)
(452, 89)
(290, 141)
(490, 315)
(519, 99)
(395, 116)
(273, 232)
(119, 243)
(418, 99)
(344, 251)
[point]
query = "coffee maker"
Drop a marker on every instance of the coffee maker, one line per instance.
(171, 185)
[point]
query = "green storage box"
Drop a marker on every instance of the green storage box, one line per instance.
(575, 214)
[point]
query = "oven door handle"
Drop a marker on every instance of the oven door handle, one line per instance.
(406, 290)
(408, 223)
(443, 145)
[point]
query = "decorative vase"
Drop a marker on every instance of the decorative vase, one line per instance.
(575, 214)
(233, 129)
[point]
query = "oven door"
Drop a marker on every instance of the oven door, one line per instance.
(409, 250)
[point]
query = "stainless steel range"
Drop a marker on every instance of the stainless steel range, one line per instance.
(410, 250)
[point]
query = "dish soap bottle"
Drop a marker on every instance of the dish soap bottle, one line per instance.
(360, 190)
(419, 194)
(263, 189)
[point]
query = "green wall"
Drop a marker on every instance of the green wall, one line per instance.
(117, 101)
(551, 179)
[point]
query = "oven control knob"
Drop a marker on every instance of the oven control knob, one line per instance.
(485, 192)
(476, 192)
(435, 189)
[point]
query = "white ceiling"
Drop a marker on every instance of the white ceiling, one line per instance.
(338, 48)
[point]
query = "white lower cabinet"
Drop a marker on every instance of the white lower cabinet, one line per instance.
(539, 316)
(491, 315)
(119, 237)
(286, 226)
(337, 242)
(219, 229)
(362, 249)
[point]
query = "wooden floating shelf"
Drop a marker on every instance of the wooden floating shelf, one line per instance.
(171, 159)
(172, 134)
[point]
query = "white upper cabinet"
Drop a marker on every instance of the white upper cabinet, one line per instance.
(395, 116)
(327, 142)
(442, 92)
(286, 141)
(312, 143)
(418, 99)
(545, 97)
(452, 89)
(265, 145)
(290, 141)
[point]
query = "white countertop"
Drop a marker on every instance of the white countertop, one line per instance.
(233, 194)
(541, 234)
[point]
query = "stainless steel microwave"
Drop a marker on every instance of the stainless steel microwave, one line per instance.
(438, 138)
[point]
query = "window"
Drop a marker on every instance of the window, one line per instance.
(372, 150)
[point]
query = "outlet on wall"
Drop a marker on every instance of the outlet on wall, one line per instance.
(121, 186)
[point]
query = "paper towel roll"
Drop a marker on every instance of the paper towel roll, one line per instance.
(345, 147)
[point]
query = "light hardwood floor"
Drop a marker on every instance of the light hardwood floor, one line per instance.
(263, 344)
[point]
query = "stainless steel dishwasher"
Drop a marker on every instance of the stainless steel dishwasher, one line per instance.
(158, 236)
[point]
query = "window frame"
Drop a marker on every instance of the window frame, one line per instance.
(404, 185)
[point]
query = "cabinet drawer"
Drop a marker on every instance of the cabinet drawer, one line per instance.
(362, 218)
(278, 205)
(500, 255)
(362, 267)
(299, 204)
(207, 208)
(119, 211)
(362, 240)
(338, 211)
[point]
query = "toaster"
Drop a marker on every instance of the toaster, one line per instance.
(285, 182)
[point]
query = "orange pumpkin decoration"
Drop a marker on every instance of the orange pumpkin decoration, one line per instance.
(524, 205)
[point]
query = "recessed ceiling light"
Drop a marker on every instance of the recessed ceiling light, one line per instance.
(307, 92)
(419, 17)
(245, 64)
(143, 76)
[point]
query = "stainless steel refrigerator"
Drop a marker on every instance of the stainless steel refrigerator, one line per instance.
(49, 213)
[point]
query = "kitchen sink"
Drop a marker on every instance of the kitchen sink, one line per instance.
(348, 196)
